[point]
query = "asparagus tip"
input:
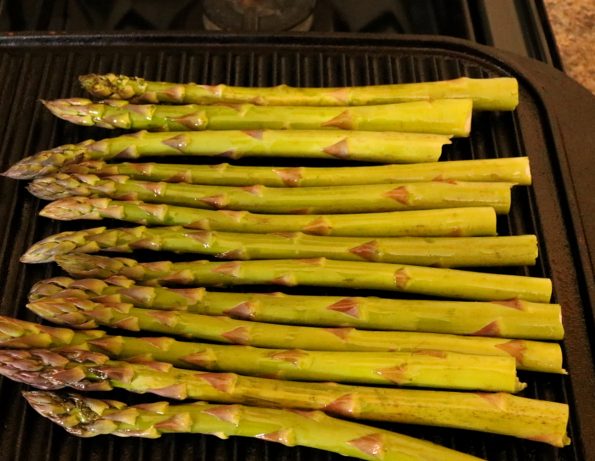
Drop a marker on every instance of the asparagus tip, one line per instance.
(48, 404)
(78, 207)
(45, 369)
(60, 186)
(48, 161)
(27, 168)
(68, 311)
(75, 413)
(83, 265)
(47, 249)
(74, 110)
(111, 85)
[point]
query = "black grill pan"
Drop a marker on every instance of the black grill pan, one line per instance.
(552, 125)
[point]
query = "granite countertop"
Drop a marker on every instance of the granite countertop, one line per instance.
(573, 23)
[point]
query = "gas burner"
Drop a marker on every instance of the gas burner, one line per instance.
(258, 15)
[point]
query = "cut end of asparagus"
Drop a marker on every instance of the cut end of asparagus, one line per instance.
(112, 86)
(494, 93)
(467, 125)
(47, 249)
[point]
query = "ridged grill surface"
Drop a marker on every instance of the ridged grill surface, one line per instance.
(36, 68)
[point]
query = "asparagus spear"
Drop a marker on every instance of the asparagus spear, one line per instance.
(509, 319)
(442, 116)
(472, 221)
(316, 272)
(441, 252)
(443, 373)
(87, 417)
(513, 170)
(90, 371)
(307, 200)
(487, 94)
(383, 147)
(82, 313)
(385, 368)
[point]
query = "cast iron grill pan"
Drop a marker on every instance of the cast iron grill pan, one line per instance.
(34, 67)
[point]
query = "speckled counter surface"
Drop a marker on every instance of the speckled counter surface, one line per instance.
(573, 23)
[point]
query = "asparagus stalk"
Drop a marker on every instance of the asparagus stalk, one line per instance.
(441, 116)
(82, 313)
(472, 221)
(316, 272)
(508, 319)
(87, 417)
(308, 200)
(441, 252)
(191, 384)
(379, 368)
(487, 94)
(513, 170)
(369, 146)
(90, 371)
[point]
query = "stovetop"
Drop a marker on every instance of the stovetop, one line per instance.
(512, 25)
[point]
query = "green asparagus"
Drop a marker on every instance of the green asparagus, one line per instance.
(472, 221)
(83, 313)
(378, 368)
(369, 146)
(513, 170)
(441, 116)
(91, 371)
(509, 319)
(439, 252)
(307, 200)
(487, 94)
(447, 372)
(316, 272)
(87, 417)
